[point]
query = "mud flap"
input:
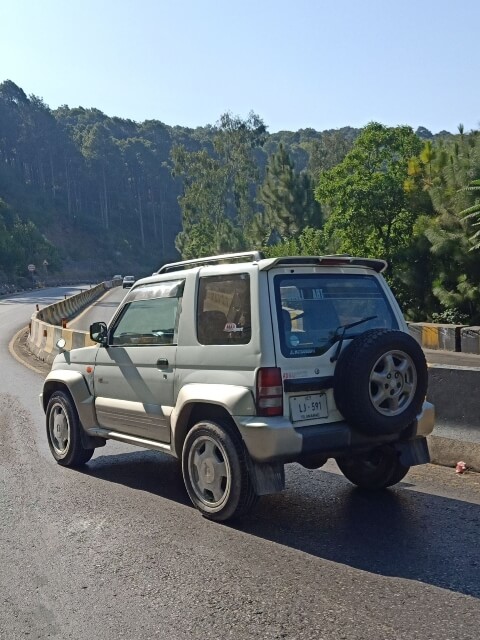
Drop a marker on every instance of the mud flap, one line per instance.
(413, 452)
(91, 442)
(267, 477)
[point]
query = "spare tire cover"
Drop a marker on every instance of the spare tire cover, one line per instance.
(381, 381)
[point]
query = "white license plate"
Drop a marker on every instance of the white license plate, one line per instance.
(309, 407)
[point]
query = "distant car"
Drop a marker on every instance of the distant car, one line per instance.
(118, 279)
(128, 281)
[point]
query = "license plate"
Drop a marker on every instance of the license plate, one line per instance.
(309, 407)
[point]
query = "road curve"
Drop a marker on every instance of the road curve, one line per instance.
(117, 551)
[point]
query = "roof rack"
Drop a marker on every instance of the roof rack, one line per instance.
(226, 258)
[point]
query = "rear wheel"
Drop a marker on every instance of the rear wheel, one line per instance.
(64, 432)
(215, 471)
(378, 469)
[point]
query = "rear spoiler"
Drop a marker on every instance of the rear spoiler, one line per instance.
(325, 261)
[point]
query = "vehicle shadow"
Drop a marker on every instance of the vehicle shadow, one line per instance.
(149, 471)
(399, 533)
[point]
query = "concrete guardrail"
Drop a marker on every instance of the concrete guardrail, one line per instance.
(46, 328)
(446, 337)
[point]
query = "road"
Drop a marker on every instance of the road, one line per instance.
(117, 551)
(102, 309)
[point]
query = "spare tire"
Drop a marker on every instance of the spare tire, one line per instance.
(381, 381)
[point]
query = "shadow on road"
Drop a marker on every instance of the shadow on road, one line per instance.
(399, 532)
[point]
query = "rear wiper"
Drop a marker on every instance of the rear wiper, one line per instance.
(340, 337)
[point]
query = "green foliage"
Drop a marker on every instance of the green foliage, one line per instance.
(101, 189)
(472, 213)
(310, 242)
(371, 213)
(218, 204)
(451, 233)
(287, 197)
(21, 244)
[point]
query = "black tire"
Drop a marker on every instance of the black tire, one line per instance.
(64, 432)
(215, 467)
(396, 360)
(378, 469)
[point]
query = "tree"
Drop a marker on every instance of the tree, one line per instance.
(371, 212)
(219, 186)
(287, 197)
(473, 213)
(451, 233)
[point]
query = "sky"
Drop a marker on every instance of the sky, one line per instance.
(297, 64)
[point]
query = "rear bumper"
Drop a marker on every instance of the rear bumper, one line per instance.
(276, 439)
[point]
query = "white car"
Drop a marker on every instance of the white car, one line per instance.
(238, 365)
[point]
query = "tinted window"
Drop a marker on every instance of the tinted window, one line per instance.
(311, 308)
(223, 312)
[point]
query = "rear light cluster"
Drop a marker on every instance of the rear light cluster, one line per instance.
(269, 392)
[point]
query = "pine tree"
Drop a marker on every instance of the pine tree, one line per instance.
(287, 197)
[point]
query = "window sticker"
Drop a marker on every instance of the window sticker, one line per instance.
(294, 340)
(231, 327)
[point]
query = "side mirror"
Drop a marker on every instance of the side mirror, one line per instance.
(99, 332)
(60, 344)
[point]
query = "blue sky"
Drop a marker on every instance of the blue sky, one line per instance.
(303, 63)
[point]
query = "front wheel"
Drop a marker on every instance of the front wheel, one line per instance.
(378, 469)
(63, 432)
(215, 471)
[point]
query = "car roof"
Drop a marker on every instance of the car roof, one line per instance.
(264, 264)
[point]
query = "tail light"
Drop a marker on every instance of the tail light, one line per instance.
(269, 391)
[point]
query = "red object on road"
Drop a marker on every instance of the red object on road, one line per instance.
(461, 467)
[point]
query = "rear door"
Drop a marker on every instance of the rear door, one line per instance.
(310, 306)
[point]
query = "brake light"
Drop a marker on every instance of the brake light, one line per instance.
(269, 391)
(329, 262)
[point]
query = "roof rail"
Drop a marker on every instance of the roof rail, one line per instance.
(226, 258)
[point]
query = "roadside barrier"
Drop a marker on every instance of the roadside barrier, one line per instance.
(50, 323)
(470, 340)
(446, 337)
(457, 415)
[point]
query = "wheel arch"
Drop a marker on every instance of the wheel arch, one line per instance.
(193, 412)
(73, 383)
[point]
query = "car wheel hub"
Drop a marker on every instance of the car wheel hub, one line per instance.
(59, 429)
(393, 382)
(209, 471)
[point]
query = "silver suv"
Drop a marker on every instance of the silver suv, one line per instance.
(238, 364)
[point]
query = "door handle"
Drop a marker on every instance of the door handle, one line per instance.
(162, 362)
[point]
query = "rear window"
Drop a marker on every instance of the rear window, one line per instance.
(313, 308)
(223, 312)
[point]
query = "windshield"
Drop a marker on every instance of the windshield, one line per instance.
(312, 307)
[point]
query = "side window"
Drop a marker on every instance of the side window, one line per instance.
(150, 317)
(223, 311)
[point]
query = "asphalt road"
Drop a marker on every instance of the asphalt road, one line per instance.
(117, 551)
